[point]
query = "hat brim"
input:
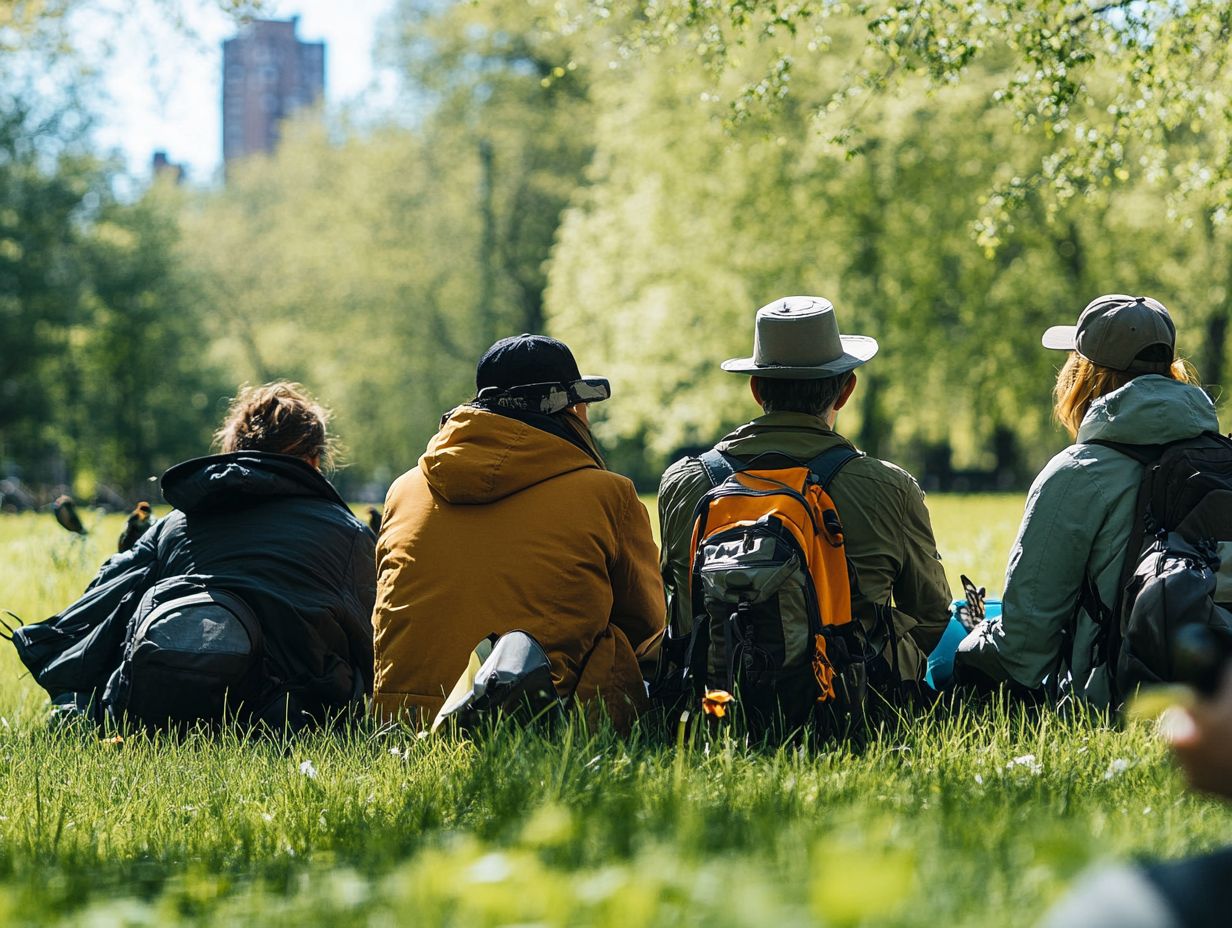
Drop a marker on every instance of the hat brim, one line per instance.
(857, 350)
(1061, 338)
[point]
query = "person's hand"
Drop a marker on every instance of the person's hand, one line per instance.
(1201, 737)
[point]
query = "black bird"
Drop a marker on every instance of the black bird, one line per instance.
(374, 520)
(138, 521)
(66, 514)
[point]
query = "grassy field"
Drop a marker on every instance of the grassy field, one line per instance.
(964, 817)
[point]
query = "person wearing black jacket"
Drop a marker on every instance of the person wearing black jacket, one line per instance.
(257, 529)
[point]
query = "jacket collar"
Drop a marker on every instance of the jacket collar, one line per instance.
(791, 432)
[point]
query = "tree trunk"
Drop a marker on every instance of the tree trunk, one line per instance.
(487, 249)
(1214, 351)
(874, 426)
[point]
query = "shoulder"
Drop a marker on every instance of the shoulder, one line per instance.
(681, 470)
(1087, 463)
(683, 479)
(886, 474)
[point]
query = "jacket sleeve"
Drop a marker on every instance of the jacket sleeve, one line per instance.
(678, 496)
(77, 649)
(144, 552)
(921, 589)
(637, 592)
(1064, 513)
(360, 597)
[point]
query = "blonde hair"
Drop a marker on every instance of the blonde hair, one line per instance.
(280, 417)
(1081, 382)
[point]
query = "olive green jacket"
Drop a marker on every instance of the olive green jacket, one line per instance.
(1078, 519)
(889, 536)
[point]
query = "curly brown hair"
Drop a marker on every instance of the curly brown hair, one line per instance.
(280, 417)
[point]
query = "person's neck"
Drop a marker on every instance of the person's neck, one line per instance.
(827, 419)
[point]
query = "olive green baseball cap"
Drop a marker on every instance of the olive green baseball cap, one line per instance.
(1115, 330)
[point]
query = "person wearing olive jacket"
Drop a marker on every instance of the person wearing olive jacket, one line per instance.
(802, 374)
(1121, 383)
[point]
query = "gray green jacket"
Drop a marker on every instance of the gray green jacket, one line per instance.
(1079, 515)
(889, 536)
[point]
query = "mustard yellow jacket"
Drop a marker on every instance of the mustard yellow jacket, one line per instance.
(503, 526)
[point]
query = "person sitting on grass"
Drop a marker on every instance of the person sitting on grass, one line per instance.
(1122, 383)
(511, 522)
(251, 600)
(802, 374)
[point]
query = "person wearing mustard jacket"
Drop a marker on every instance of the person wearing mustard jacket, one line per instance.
(511, 522)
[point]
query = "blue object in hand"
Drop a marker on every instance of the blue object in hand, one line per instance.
(941, 661)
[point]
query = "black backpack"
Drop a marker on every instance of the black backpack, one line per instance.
(1170, 579)
(191, 654)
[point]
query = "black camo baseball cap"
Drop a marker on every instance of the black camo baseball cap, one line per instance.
(1116, 331)
(525, 359)
(535, 373)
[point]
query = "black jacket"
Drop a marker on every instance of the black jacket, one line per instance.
(265, 527)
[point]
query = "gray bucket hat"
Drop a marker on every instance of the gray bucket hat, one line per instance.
(1115, 329)
(797, 338)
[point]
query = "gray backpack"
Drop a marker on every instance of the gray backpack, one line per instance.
(191, 654)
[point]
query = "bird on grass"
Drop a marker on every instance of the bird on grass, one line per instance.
(374, 520)
(66, 514)
(137, 524)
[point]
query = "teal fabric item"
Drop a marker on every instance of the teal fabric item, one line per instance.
(941, 660)
(1078, 518)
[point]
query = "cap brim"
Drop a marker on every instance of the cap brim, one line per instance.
(593, 388)
(857, 350)
(1061, 337)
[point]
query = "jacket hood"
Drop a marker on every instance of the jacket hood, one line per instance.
(243, 477)
(480, 457)
(1152, 409)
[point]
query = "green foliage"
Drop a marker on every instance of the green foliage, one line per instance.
(376, 265)
(1114, 89)
(942, 820)
(691, 221)
(99, 337)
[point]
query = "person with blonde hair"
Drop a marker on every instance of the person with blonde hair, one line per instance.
(1122, 385)
(250, 601)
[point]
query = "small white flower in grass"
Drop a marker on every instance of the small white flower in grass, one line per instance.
(1116, 768)
(1026, 762)
(308, 769)
(1146, 811)
(267, 817)
(979, 778)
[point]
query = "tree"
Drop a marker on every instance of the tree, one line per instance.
(43, 200)
(1113, 88)
(149, 394)
(689, 224)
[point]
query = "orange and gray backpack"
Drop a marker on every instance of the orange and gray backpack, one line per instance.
(774, 639)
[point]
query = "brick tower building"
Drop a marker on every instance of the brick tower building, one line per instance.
(268, 74)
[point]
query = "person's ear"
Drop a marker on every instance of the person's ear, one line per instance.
(846, 394)
(755, 389)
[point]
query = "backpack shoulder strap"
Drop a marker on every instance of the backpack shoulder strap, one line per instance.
(1143, 454)
(717, 466)
(824, 467)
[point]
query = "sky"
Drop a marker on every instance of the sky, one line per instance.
(162, 82)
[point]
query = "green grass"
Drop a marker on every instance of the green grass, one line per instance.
(934, 824)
